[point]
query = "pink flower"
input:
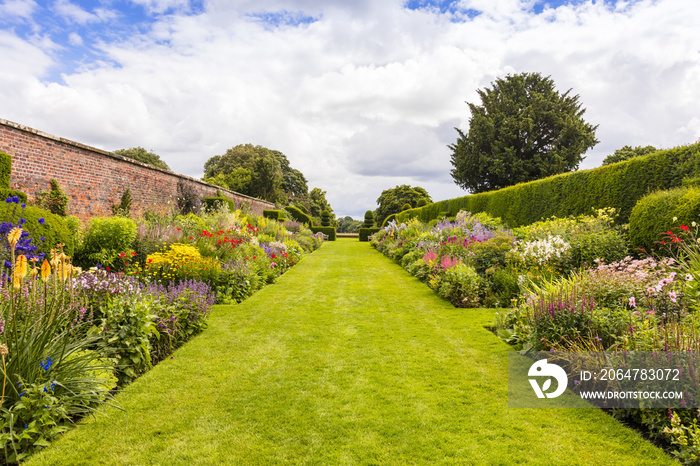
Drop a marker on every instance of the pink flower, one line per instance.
(633, 302)
(672, 295)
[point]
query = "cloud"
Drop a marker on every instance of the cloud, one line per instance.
(360, 96)
(12, 9)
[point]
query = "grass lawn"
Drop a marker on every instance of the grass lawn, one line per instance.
(346, 360)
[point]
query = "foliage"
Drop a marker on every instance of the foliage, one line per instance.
(658, 212)
(278, 215)
(330, 231)
(256, 171)
(298, 215)
(106, 238)
(618, 185)
(325, 218)
(523, 130)
(348, 224)
(142, 155)
(365, 233)
(188, 201)
(55, 200)
(41, 228)
(392, 200)
(369, 219)
(5, 170)
(123, 209)
(628, 152)
(50, 375)
(460, 284)
(213, 203)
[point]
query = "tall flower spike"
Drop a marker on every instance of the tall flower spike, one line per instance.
(45, 270)
(14, 236)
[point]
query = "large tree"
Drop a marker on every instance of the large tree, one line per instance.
(523, 130)
(256, 171)
(392, 200)
(628, 152)
(142, 155)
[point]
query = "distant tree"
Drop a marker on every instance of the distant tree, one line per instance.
(348, 224)
(392, 200)
(257, 171)
(142, 155)
(523, 130)
(628, 152)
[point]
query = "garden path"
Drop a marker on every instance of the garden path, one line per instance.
(347, 359)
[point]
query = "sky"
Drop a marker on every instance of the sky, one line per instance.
(360, 95)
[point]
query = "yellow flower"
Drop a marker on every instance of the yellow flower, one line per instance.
(21, 265)
(14, 236)
(45, 270)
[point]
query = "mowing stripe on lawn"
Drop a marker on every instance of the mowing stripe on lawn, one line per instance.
(347, 359)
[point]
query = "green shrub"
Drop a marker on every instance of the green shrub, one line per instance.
(325, 218)
(188, 201)
(5, 193)
(105, 239)
(330, 231)
(369, 220)
(406, 206)
(619, 185)
(365, 233)
(388, 219)
(298, 215)
(461, 285)
(55, 200)
(654, 214)
(39, 223)
(274, 215)
(123, 209)
(5, 170)
(490, 253)
(214, 203)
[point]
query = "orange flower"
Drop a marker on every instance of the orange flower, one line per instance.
(45, 270)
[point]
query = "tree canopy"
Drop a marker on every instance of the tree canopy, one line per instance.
(256, 171)
(392, 200)
(523, 130)
(142, 155)
(628, 152)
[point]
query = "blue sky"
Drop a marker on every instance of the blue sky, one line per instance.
(361, 96)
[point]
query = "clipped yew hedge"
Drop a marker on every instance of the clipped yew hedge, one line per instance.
(365, 233)
(330, 231)
(298, 215)
(618, 185)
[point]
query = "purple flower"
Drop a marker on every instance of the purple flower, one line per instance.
(41, 221)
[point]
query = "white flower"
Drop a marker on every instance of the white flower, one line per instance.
(675, 218)
(633, 302)
(672, 295)
(688, 278)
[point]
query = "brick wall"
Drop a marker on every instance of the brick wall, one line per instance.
(95, 179)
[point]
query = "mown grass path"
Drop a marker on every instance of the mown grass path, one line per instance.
(346, 360)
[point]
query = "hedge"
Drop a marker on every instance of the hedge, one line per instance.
(5, 193)
(330, 231)
(389, 219)
(5, 170)
(298, 215)
(618, 185)
(274, 214)
(365, 233)
(213, 203)
(53, 229)
(653, 215)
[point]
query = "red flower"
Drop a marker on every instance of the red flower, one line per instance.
(255, 257)
(684, 227)
(150, 260)
(133, 253)
(219, 242)
(191, 237)
(107, 269)
(245, 259)
(179, 229)
(669, 233)
(122, 254)
(273, 256)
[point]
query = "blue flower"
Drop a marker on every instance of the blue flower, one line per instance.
(8, 200)
(41, 221)
(46, 364)
(24, 205)
(21, 394)
(8, 264)
(42, 238)
(15, 199)
(22, 221)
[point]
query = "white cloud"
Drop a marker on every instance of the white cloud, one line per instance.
(366, 95)
(17, 9)
(75, 39)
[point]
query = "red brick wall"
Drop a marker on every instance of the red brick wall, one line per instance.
(95, 179)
